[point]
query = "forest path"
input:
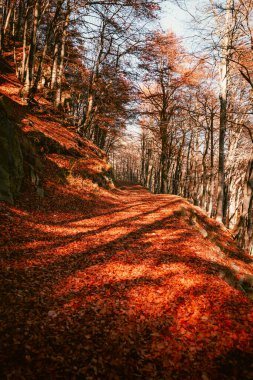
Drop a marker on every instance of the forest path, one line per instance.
(146, 289)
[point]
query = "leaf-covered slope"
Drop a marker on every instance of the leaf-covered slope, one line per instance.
(45, 145)
(123, 284)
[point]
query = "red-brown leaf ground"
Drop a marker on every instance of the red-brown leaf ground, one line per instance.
(121, 285)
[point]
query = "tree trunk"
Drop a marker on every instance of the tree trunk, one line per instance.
(31, 53)
(164, 158)
(8, 18)
(212, 179)
(244, 228)
(1, 25)
(224, 66)
(62, 57)
(25, 36)
(20, 16)
(54, 66)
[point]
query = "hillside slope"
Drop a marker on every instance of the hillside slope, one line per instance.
(134, 286)
(39, 149)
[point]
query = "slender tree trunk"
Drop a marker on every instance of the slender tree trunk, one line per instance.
(62, 57)
(20, 17)
(163, 158)
(8, 18)
(224, 66)
(143, 148)
(25, 35)
(31, 53)
(203, 199)
(1, 25)
(221, 164)
(187, 171)
(177, 174)
(89, 112)
(212, 182)
(54, 66)
(244, 228)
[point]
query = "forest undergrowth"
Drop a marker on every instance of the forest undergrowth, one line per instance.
(121, 284)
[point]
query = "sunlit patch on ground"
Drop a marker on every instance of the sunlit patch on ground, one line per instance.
(128, 289)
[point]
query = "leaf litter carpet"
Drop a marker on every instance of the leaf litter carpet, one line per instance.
(141, 286)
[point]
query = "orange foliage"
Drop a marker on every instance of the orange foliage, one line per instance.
(120, 284)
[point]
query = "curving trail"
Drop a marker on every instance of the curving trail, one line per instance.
(140, 286)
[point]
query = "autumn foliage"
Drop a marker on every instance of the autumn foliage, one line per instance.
(139, 286)
(108, 279)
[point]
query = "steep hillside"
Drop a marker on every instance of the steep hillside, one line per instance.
(39, 150)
